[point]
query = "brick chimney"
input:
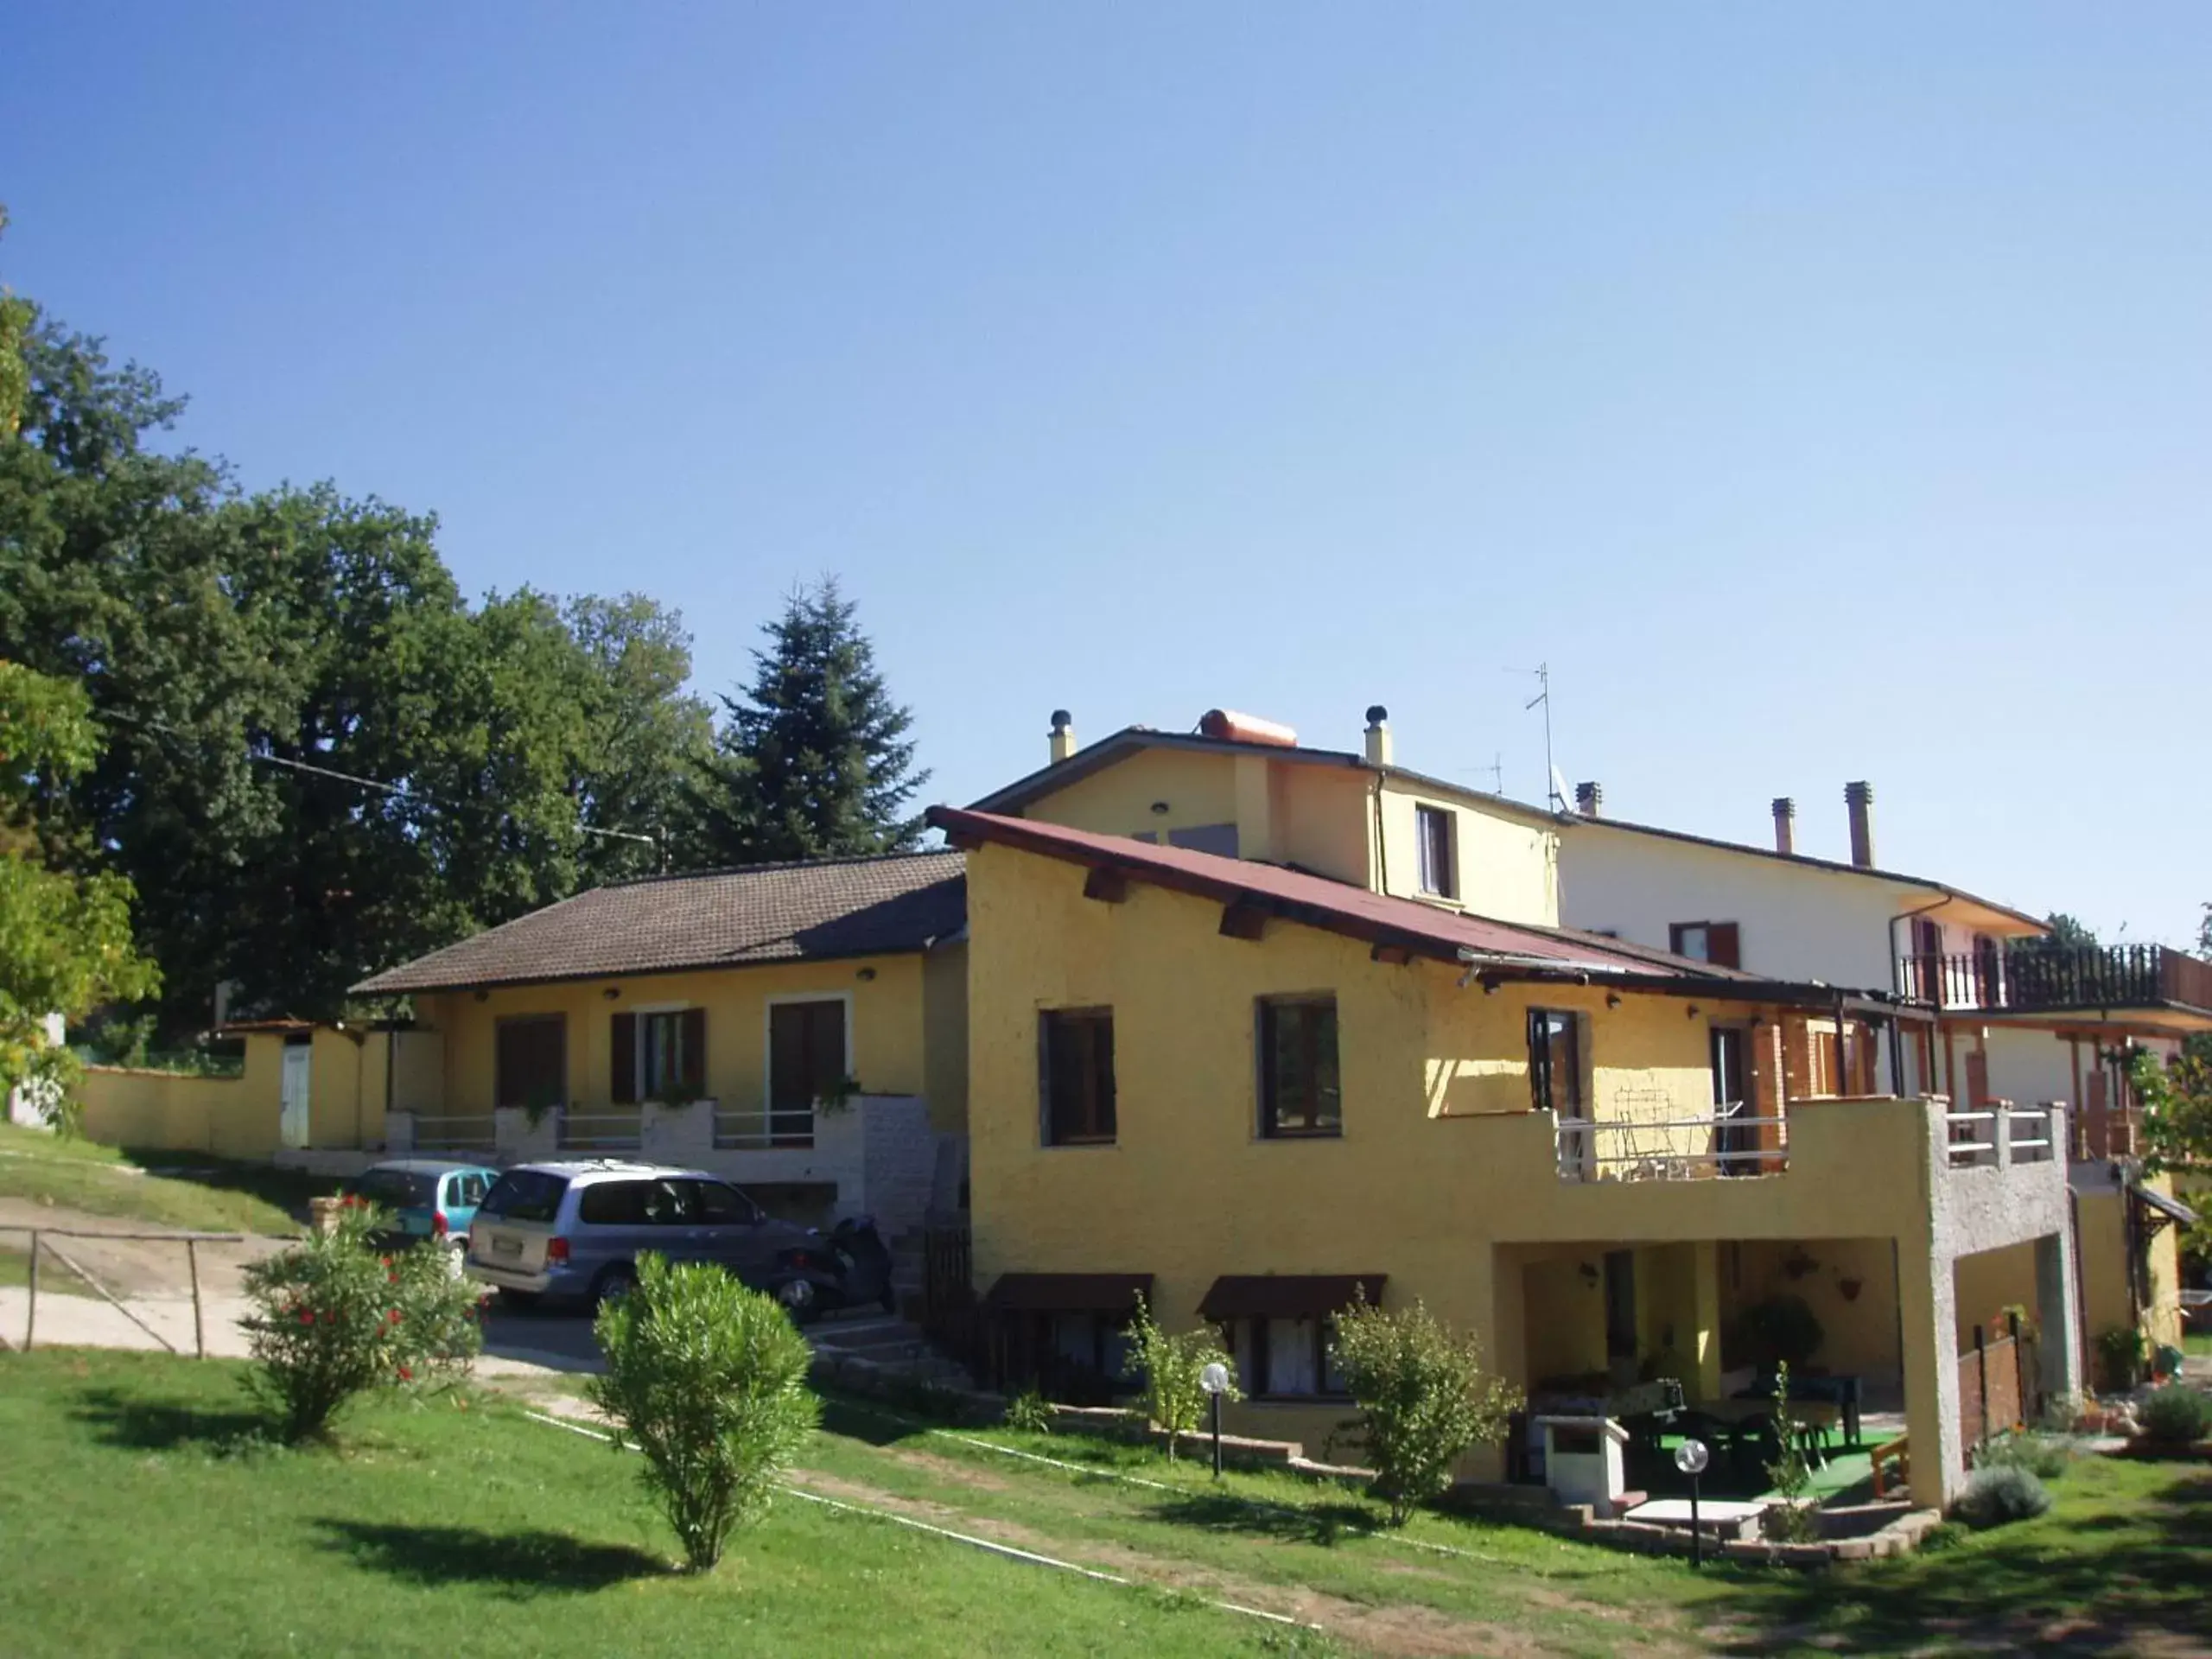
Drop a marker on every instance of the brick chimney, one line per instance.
(1590, 800)
(1860, 798)
(1062, 736)
(1378, 736)
(1785, 825)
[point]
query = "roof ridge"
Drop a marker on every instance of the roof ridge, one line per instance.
(834, 861)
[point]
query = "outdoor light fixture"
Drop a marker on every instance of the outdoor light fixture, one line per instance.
(866, 973)
(1691, 1456)
(1160, 807)
(611, 992)
(1693, 1012)
(1215, 1380)
(1612, 999)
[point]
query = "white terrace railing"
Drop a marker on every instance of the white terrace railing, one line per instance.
(1997, 1133)
(601, 1132)
(475, 1132)
(1726, 1140)
(759, 1127)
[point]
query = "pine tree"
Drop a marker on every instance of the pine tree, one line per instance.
(813, 761)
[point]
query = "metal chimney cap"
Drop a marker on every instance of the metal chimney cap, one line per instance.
(1377, 714)
(1062, 720)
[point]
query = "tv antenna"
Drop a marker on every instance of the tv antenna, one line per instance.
(1552, 791)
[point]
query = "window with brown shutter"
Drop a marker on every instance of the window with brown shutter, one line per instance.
(529, 1063)
(1075, 1076)
(622, 1080)
(1718, 943)
(806, 1064)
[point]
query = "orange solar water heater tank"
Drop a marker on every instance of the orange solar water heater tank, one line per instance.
(1226, 724)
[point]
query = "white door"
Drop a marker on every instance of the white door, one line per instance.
(292, 1126)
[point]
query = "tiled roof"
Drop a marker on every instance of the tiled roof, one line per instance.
(718, 918)
(1316, 900)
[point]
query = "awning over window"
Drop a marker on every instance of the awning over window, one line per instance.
(2172, 1209)
(1288, 1295)
(1069, 1293)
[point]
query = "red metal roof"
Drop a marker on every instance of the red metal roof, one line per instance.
(1339, 906)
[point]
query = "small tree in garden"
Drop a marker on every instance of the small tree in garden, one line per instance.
(708, 1379)
(1173, 1396)
(1423, 1396)
(334, 1317)
(1793, 1520)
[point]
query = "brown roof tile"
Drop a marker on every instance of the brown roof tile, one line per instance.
(771, 913)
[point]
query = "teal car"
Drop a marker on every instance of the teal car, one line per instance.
(428, 1197)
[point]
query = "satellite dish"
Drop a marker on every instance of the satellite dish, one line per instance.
(1561, 793)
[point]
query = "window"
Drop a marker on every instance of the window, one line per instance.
(1206, 838)
(1075, 1076)
(531, 1060)
(659, 1056)
(525, 1195)
(721, 1206)
(1718, 943)
(1433, 827)
(1278, 1359)
(1555, 1063)
(464, 1191)
(1299, 1090)
(638, 1204)
(808, 1061)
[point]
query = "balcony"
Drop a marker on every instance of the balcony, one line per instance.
(1726, 1140)
(2028, 978)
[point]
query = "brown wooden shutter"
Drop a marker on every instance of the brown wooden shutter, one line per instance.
(623, 1072)
(694, 1050)
(826, 1040)
(1723, 944)
(788, 1079)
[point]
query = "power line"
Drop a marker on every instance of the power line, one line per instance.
(401, 791)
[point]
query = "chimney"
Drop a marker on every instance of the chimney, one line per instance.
(1860, 798)
(1378, 736)
(1062, 736)
(1785, 825)
(1590, 800)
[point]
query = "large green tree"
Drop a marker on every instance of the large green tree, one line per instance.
(65, 940)
(813, 760)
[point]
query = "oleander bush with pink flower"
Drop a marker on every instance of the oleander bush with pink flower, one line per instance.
(336, 1316)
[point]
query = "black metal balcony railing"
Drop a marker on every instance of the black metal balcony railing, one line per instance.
(2028, 978)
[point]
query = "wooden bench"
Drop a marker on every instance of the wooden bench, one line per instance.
(1890, 1452)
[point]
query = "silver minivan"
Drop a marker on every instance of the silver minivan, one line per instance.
(575, 1231)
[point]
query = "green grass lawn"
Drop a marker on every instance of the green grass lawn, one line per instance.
(144, 1518)
(205, 1193)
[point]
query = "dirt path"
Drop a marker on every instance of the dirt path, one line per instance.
(131, 1268)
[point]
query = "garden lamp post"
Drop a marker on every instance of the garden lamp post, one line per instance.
(1215, 1380)
(1691, 1456)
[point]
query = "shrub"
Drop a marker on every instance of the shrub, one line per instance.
(334, 1318)
(1994, 1496)
(708, 1379)
(1423, 1397)
(1173, 1396)
(1028, 1413)
(2123, 1353)
(2044, 1456)
(1795, 1520)
(2176, 1415)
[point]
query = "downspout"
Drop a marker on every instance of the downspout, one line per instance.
(1381, 847)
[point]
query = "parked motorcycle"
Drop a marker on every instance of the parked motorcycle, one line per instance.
(848, 1267)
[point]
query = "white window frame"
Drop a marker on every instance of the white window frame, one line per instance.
(1451, 851)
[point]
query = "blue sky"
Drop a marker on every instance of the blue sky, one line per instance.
(1821, 396)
